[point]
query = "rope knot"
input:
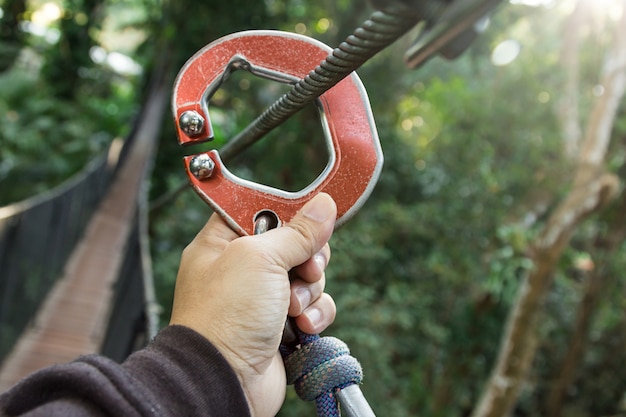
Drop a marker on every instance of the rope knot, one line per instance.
(322, 366)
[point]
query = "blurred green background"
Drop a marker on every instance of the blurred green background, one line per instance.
(478, 153)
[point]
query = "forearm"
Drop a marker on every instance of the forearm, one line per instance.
(180, 373)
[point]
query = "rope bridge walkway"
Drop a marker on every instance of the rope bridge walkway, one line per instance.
(105, 287)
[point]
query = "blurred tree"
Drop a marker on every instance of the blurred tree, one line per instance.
(10, 32)
(425, 274)
(57, 104)
(599, 277)
(592, 189)
(63, 65)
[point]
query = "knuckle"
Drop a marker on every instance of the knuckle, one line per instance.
(251, 251)
(303, 237)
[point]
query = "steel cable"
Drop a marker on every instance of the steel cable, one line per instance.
(376, 33)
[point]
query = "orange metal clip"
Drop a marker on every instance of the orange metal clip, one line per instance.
(355, 158)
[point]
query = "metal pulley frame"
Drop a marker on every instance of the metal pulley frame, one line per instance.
(351, 138)
(355, 155)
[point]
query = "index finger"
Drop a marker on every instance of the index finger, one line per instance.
(215, 231)
(312, 270)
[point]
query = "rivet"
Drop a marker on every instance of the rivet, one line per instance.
(192, 123)
(202, 166)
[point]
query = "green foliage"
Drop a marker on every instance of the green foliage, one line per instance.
(10, 35)
(58, 109)
(426, 273)
(45, 140)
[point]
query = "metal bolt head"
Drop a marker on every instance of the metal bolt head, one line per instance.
(202, 166)
(192, 123)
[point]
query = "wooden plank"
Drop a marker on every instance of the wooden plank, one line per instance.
(73, 318)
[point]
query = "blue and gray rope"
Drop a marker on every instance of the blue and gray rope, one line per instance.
(319, 369)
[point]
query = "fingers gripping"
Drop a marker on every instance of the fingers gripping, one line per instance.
(305, 236)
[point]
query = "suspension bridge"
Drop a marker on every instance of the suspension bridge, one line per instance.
(74, 262)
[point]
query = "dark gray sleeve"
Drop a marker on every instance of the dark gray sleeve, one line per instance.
(179, 374)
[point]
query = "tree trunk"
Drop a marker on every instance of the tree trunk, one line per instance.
(592, 292)
(520, 339)
(568, 108)
(64, 63)
(441, 395)
(591, 190)
(13, 11)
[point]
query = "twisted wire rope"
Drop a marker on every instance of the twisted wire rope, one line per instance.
(380, 30)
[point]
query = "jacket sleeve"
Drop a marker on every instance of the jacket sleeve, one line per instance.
(179, 374)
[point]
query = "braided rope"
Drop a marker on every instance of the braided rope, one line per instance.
(320, 368)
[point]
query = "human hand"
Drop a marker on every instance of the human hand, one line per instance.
(236, 292)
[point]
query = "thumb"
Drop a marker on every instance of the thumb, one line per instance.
(305, 235)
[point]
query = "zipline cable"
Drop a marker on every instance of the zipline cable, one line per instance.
(446, 21)
(376, 33)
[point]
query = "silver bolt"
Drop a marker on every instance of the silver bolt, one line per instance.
(192, 123)
(202, 166)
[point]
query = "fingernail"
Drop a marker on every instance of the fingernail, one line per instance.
(314, 315)
(304, 296)
(320, 260)
(317, 209)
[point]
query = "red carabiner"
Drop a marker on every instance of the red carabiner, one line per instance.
(355, 154)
